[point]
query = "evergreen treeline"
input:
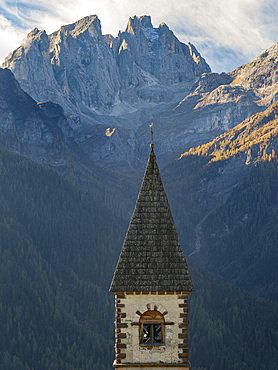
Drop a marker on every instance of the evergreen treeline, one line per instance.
(58, 250)
(229, 329)
(187, 187)
(255, 134)
(59, 247)
(241, 236)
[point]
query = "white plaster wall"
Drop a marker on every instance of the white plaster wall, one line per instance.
(167, 353)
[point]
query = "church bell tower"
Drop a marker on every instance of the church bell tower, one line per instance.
(151, 284)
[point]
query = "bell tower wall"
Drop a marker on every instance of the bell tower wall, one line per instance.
(131, 352)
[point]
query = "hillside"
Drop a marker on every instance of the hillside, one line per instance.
(41, 132)
(58, 250)
(230, 187)
(230, 329)
(59, 247)
(257, 137)
(240, 237)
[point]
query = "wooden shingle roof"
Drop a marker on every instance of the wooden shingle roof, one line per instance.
(152, 258)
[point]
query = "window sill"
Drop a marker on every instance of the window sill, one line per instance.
(151, 345)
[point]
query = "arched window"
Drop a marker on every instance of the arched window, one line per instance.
(152, 328)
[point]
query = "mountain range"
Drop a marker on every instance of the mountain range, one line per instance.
(108, 87)
(111, 88)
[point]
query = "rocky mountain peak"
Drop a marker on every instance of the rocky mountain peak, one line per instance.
(163, 25)
(146, 21)
(33, 33)
(158, 52)
(260, 75)
(36, 39)
(272, 51)
(135, 24)
(89, 24)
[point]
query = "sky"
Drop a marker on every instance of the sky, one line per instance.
(227, 33)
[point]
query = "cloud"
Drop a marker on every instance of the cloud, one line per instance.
(227, 33)
(244, 26)
(10, 37)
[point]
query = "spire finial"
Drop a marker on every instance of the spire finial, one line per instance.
(152, 144)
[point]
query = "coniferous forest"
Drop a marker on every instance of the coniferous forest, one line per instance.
(58, 250)
(59, 247)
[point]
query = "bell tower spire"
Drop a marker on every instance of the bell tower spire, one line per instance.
(151, 284)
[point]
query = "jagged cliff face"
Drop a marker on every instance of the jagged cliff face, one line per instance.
(260, 75)
(213, 106)
(111, 88)
(73, 67)
(104, 82)
(219, 102)
(155, 51)
(87, 72)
